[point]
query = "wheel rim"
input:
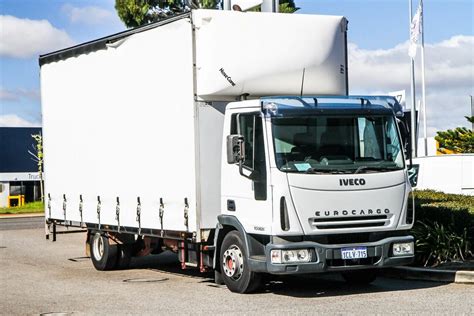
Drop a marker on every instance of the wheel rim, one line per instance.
(233, 263)
(98, 247)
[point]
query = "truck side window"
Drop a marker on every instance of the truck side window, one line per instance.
(246, 124)
(249, 125)
(260, 186)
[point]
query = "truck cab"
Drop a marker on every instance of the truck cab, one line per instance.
(313, 184)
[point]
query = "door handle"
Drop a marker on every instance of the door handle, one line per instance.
(231, 205)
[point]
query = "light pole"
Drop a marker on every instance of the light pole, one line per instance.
(472, 113)
(414, 139)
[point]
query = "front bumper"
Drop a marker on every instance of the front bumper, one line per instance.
(328, 257)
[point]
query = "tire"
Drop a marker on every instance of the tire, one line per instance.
(103, 254)
(234, 265)
(124, 255)
(218, 278)
(360, 277)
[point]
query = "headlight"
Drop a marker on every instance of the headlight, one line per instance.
(290, 256)
(403, 249)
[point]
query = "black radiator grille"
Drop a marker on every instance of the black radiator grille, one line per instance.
(349, 222)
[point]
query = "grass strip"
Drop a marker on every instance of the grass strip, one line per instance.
(33, 207)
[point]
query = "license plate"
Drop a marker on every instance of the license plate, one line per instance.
(354, 253)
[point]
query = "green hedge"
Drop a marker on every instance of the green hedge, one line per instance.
(458, 200)
(453, 212)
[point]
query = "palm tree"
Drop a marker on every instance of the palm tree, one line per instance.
(460, 140)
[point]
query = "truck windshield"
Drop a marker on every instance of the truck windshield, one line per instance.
(337, 144)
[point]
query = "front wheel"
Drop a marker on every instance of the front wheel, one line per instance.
(360, 277)
(234, 265)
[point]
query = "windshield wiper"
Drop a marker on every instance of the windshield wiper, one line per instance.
(375, 168)
(325, 171)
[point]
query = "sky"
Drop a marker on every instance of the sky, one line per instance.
(378, 45)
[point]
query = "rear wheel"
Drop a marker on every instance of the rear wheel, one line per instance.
(124, 255)
(103, 254)
(235, 270)
(360, 276)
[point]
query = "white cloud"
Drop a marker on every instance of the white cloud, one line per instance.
(7, 95)
(90, 15)
(14, 95)
(13, 120)
(25, 38)
(449, 77)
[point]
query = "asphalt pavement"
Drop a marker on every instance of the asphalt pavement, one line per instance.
(8, 222)
(43, 277)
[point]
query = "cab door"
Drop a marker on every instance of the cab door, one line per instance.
(247, 196)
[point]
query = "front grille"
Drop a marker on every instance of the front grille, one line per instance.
(350, 225)
(354, 218)
(349, 222)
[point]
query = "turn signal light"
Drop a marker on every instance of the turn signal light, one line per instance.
(403, 249)
(290, 256)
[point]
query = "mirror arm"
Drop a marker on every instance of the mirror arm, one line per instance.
(241, 170)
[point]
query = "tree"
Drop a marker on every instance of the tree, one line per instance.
(139, 12)
(286, 6)
(37, 156)
(459, 141)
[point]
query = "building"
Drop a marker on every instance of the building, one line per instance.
(446, 173)
(19, 178)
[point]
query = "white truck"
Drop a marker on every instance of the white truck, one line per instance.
(229, 138)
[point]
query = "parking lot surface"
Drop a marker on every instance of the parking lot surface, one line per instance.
(44, 277)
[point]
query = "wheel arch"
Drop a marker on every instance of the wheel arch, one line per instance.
(228, 223)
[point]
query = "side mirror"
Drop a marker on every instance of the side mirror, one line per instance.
(405, 137)
(407, 145)
(235, 149)
(413, 175)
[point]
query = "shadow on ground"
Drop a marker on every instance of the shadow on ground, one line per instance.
(314, 285)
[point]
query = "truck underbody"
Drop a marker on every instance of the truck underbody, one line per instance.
(325, 250)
